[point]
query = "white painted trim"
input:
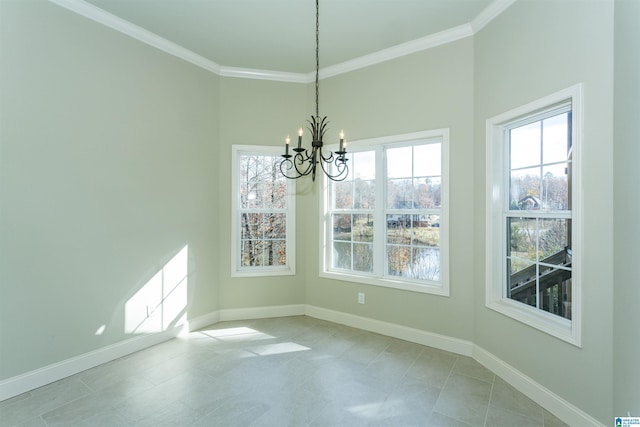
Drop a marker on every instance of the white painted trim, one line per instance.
(377, 277)
(553, 403)
(236, 269)
(495, 250)
(203, 321)
(489, 14)
(262, 312)
(544, 397)
(278, 76)
(42, 376)
(398, 51)
(103, 17)
(406, 333)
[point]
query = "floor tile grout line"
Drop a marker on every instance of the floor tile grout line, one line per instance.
(443, 387)
(486, 415)
(406, 371)
(376, 358)
(42, 415)
(315, 418)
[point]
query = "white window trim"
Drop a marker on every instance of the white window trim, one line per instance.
(495, 255)
(236, 269)
(442, 288)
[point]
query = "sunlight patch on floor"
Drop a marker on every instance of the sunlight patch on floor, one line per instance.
(279, 348)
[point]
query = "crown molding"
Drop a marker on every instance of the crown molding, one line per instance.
(413, 46)
(103, 17)
(489, 14)
(279, 76)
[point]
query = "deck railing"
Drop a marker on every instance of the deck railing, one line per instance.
(553, 280)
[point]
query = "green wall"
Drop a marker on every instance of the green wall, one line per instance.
(626, 344)
(255, 112)
(427, 90)
(114, 155)
(531, 50)
(107, 170)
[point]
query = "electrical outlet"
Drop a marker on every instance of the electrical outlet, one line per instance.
(360, 297)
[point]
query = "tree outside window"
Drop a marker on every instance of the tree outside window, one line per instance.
(263, 212)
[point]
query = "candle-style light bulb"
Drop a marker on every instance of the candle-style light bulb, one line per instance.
(286, 144)
(300, 138)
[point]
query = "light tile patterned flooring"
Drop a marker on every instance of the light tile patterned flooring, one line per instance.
(290, 371)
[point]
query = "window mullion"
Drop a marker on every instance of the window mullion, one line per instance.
(395, 269)
(255, 171)
(551, 233)
(380, 227)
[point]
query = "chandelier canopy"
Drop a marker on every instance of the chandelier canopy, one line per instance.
(304, 161)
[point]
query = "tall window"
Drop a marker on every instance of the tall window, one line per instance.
(386, 223)
(533, 250)
(413, 210)
(263, 213)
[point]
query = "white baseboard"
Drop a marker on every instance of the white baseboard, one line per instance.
(544, 397)
(418, 336)
(37, 378)
(203, 321)
(263, 312)
(553, 403)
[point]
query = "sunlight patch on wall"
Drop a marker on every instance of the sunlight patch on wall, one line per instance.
(162, 301)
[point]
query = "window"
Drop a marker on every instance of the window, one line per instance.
(533, 234)
(262, 214)
(386, 223)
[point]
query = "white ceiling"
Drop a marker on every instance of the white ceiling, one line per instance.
(279, 35)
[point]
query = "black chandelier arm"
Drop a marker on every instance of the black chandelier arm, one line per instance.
(340, 164)
(294, 163)
(311, 159)
(304, 162)
(327, 159)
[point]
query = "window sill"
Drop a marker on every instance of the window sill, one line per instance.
(548, 323)
(263, 272)
(433, 288)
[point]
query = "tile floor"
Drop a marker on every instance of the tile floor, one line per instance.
(290, 371)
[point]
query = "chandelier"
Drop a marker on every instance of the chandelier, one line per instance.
(304, 161)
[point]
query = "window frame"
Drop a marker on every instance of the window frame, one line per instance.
(380, 145)
(237, 270)
(497, 211)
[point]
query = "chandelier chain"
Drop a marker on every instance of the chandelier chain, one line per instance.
(317, 56)
(304, 161)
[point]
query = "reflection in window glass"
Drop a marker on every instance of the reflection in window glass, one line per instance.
(352, 220)
(262, 211)
(409, 233)
(539, 251)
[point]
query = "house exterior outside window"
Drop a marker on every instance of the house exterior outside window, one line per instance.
(533, 214)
